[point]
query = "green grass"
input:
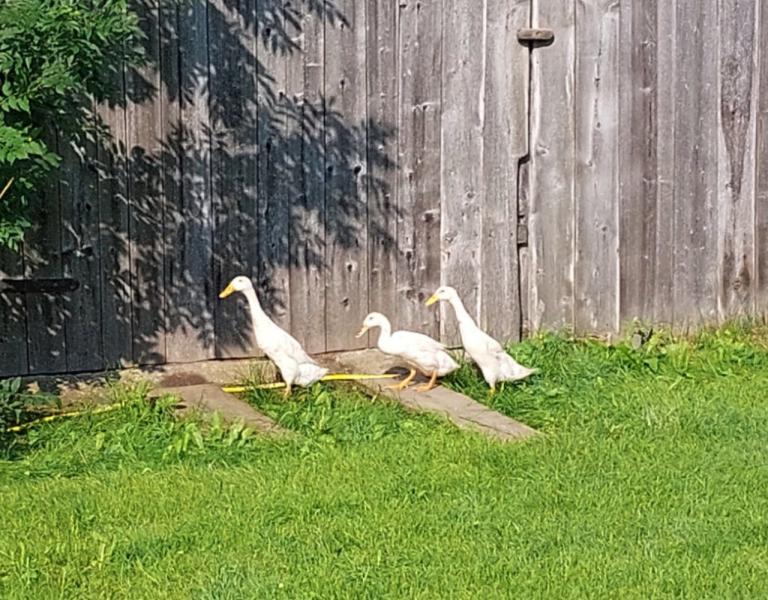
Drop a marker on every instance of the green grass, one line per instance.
(649, 481)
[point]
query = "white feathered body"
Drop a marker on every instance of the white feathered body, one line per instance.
(418, 350)
(495, 364)
(294, 364)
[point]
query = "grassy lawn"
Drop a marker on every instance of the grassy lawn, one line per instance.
(651, 481)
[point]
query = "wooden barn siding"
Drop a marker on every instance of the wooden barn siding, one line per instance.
(649, 166)
(351, 156)
(319, 148)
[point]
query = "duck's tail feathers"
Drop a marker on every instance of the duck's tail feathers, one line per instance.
(446, 364)
(309, 373)
(511, 370)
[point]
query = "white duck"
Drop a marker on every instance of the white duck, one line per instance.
(419, 351)
(294, 364)
(495, 364)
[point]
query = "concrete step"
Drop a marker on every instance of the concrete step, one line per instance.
(457, 408)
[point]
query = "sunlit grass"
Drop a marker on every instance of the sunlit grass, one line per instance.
(648, 481)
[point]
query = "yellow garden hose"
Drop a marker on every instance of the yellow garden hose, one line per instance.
(63, 415)
(239, 389)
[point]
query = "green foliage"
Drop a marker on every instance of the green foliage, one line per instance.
(56, 56)
(141, 429)
(12, 403)
(15, 403)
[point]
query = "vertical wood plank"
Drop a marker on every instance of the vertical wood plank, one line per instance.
(597, 147)
(761, 175)
(664, 249)
(419, 156)
(233, 116)
(550, 242)
(523, 249)
(638, 160)
(293, 180)
(113, 207)
(383, 57)
(13, 319)
(46, 313)
(695, 180)
(736, 157)
(144, 118)
(80, 255)
(189, 281)
(462, 190)
(274, 158)
(505, 142)
(345, 191)
(308, 275)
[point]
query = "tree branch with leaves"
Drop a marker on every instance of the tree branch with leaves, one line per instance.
(56, 58)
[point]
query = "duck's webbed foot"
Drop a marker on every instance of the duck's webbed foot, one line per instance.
(404, 383)
(429, 385)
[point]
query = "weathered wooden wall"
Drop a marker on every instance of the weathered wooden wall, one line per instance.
(346, 155)
(648, 193)
(351, 155)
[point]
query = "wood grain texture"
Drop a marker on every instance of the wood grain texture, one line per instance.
(293, 180)
(736, 157)
(761, 174)
(80, 255)
(46, 313)
(308, 273)
(345, 191)
(523, 250)
(13, 318)
(419, 156)
(233, 118)
(664, 247)
(274, 168)
(695, 175)
(462, 189)
(505, 143)
(383, 62)
(596, 196)
(638, 164)
(146, 172)
(189, 220)
(113, 207)
(552, 167)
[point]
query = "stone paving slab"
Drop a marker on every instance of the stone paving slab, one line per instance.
(458, 408)
(210, 398)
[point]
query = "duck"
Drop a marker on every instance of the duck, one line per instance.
(419, 351)
(495, 364)
(295, 365)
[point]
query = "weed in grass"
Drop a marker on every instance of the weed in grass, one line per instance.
(18, 405)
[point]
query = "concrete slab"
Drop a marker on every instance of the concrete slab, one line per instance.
(458, 408)
(74, 389)
(209, 398)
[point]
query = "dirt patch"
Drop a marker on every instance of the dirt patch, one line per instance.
(182, 379)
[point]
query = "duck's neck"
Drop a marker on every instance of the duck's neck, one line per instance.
(462, 316)
(258, 316)
(385, 332)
